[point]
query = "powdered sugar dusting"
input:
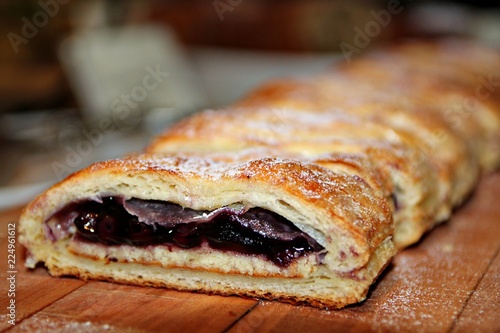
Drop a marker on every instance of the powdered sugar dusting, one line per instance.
(409, 299)
(47, 323)
(412, 306)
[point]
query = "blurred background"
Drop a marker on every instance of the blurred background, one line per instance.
(82, 81)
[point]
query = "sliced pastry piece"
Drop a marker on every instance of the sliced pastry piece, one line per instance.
(269, 227)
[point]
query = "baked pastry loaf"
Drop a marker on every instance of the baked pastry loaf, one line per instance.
(301, 191)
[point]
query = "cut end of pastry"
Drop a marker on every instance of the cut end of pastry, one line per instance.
(269, 227)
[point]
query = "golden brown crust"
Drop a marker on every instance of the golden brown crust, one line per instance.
(425, 98)
(365, 158)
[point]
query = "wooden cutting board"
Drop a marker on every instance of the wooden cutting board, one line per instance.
(448, 282)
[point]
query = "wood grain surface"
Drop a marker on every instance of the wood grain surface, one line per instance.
(448, 282)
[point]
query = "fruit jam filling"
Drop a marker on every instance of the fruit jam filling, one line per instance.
(114, 221)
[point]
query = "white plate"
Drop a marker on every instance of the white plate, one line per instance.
(20, 195)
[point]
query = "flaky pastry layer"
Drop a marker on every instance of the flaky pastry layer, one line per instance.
(364, 158)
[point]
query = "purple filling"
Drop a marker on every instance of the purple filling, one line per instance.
(256, 231)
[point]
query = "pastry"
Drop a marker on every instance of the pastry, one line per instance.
(263, 226)
(301, 191)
